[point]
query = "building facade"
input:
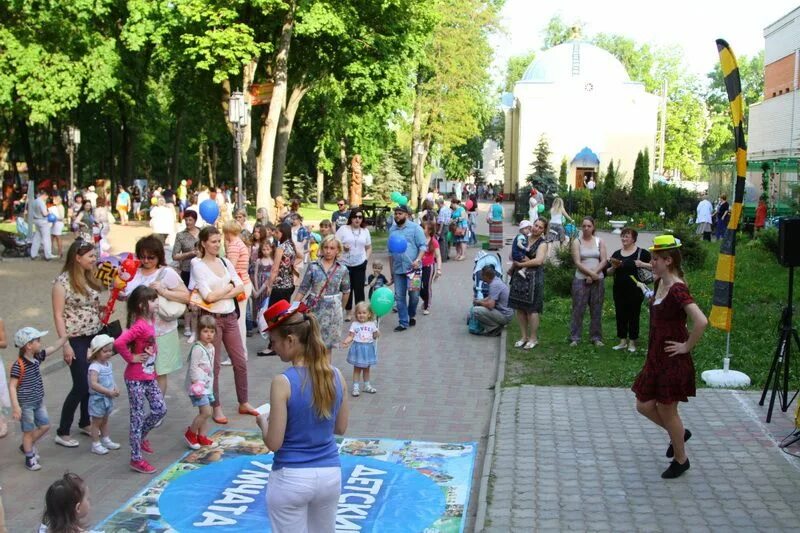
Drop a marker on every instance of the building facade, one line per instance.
(582, 100)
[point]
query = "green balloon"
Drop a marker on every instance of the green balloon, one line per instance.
(395, 196)
(402, 200)
(382, 301)
(540, 208)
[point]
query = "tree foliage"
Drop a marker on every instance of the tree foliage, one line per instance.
(516, 67)
(543, 175)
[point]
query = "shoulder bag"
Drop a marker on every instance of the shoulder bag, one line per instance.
(312, 300)
(645, 275)
(168, 309)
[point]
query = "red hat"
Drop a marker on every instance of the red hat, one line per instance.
(281, 310)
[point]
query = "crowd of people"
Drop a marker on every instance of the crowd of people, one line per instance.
(228, 276)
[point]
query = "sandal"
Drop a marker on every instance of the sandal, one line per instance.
(222, 420)
(370, 389)
(520, 343)
(530, 345)
(247, 411)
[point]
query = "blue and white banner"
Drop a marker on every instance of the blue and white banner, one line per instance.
(387, 485)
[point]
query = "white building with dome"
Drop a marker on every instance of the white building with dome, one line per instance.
(581, 98)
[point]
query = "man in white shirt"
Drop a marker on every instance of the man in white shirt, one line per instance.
(42, 235)
(91, 195)
(704, 214)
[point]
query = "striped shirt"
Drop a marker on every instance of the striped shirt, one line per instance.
(238, 254)
(30, 389)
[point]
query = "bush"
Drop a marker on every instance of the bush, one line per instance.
(559, 273)
(768, 239)
(692, 251)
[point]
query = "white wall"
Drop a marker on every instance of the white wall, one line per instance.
(782, 37)
(770, 128)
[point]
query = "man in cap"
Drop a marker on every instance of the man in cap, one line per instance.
(405, 266)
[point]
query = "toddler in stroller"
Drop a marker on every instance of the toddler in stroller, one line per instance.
(17, 245)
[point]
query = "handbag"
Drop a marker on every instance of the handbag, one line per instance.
(112, 329)
(312, 300)
(168, 309)
(645, 275)
(473, 325)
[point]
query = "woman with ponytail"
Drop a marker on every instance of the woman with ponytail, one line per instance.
(308, 407)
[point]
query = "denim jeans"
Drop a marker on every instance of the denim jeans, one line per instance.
(406, 300)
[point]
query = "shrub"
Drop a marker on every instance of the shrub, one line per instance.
(768, 239)
(559, 272)
(692, 251)
(580, 203)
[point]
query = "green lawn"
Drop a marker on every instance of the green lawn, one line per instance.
(309, 211)
(759, 296)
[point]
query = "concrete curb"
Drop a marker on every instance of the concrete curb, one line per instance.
(483, 492)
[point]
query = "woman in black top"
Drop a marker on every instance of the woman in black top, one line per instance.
(722, 216)
(627, 295)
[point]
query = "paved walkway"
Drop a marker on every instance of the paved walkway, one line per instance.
(582, 459)
(434, 382)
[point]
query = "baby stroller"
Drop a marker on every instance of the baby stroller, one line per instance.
(480, 288)
(17, 245)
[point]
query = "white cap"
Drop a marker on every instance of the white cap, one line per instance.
(100, 341)
(525, 224)
(26, 335)
(91, 188)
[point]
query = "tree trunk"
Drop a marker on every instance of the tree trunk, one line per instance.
(288, 113)
(320, 180)
(176, 150)
(416, 133)
(342, 167)
(212, 166)
(270, 130)
(248, 75)
(25, 137)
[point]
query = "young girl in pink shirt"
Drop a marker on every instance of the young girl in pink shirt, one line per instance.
(137, 346)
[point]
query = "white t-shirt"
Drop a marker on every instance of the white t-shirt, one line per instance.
(363, 331)
(357, 241)
(171, 280)
(704, 212)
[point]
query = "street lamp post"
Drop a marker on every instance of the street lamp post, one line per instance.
(71, 138)
(239, 117)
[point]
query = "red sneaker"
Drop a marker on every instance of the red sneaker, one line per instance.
(205, 441)
(146, 448)
(142, 466)
(192, 440)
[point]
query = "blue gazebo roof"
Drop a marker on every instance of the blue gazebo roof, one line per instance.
(586, 158)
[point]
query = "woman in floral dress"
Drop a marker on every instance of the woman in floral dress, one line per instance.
(325, 289)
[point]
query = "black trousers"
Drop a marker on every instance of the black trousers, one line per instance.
(628, 303)
(79, 394)
(358, 278)
(426, 292)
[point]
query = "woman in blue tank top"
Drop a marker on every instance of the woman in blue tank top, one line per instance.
(307, 408)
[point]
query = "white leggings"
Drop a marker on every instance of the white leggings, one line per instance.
(301, 500)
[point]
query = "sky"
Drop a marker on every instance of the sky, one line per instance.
(691, 24)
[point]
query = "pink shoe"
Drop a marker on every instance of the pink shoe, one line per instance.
(142, 466)
(146, 448)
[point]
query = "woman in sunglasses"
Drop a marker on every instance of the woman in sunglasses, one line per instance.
(76, 312)
(357, 247)
(153, 272)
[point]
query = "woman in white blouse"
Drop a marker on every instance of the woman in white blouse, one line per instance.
(357, 246)
(219, 285)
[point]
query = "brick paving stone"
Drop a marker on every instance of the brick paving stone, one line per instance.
(609, 471)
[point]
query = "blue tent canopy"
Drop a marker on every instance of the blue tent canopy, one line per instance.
(586, 158)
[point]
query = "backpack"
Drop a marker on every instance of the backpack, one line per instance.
(474, 327)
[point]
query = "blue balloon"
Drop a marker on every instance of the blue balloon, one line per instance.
(209, 210)
(397, 243)
(51, 217)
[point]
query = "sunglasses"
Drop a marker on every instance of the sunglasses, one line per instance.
(358, 216)
(84, 247)
(148, 258)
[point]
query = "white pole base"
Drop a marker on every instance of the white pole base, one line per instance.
(725, 378)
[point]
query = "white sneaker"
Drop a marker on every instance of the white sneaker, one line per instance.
(425, 312)
(520, 343)
(621, 346)
(355, 390)
(67, 441)
(110, 444)
(99, 449)
(226, 362)
(187, 332)
(632, 347)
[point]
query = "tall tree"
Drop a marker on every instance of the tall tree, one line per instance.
(543, 175)
(516, 67)
(610, 179)
(562, 175)
(558, 32)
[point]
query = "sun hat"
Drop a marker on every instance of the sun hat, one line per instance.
(99, 342)
(525, 224)
(665, 242)
(26, 335)
(280, 311)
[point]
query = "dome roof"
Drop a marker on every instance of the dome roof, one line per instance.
(585, 158)
(576, 60)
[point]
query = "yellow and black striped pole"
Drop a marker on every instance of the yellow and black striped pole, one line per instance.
(722, 302)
